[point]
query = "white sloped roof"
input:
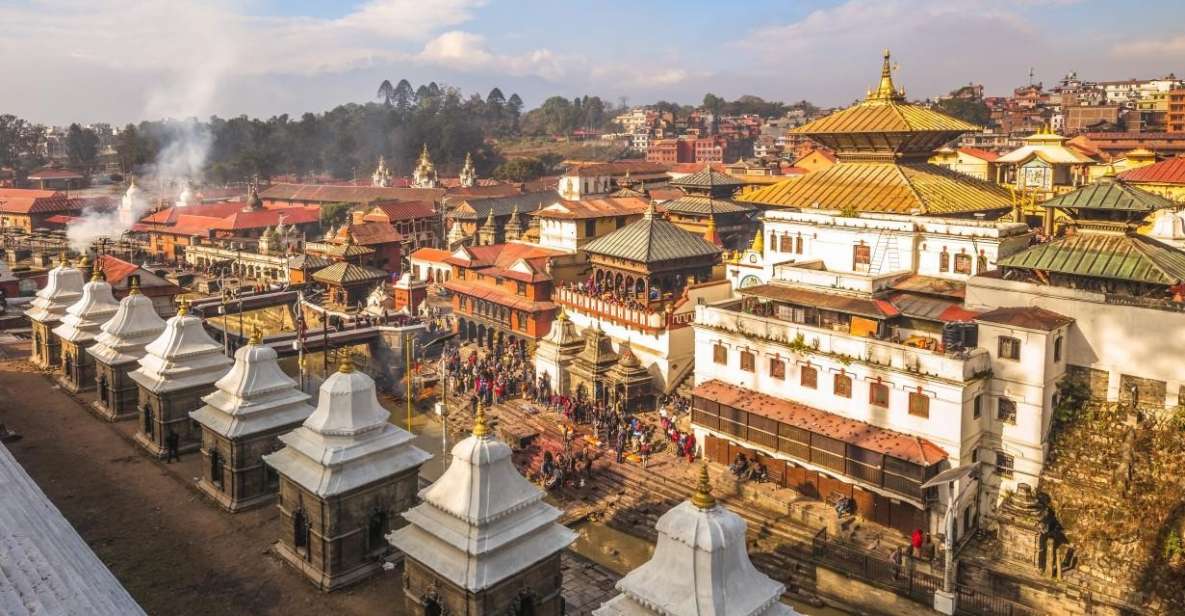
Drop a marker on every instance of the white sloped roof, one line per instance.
(700, 567)
(347, 441)
(45, 567)
(125, 335)
(182, 356)
(84, 317)
(62, 288)
(255, 396)
(481, 521)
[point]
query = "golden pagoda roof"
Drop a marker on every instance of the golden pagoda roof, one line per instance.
(885, 110)
(890, 187)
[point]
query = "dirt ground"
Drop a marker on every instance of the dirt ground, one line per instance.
(176, 552)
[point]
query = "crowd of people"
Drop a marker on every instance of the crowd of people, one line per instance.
(492, 378)
(618, 296)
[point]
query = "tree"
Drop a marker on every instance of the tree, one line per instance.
(334, 214)
(974, 110)
(519, 170)
(82, 148)
(386, 92)
(496, 99)
(515, 107)
(20, 145)
(403, 96)
(713, 103)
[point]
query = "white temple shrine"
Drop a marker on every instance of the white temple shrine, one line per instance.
(700, 567)
(117, 351)
(78, 329)
(63, 287)
(131, 205)
(241, 421)
(482, 541)
(177, 369)
(345, 476)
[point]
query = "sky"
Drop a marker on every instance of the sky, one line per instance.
(125, 60)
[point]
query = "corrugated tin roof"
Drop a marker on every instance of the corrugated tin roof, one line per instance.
(704, 206)
(900, 188)
(1110, 194)
(1028, 317)
(706, 178)
(343, 273)
(1171, 171)
(652, 240)
(885, 117)
(1115, 256)
(801, 296)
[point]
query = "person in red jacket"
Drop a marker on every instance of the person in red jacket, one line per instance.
(915, 541)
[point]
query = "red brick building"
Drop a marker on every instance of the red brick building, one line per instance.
(28, 209)
(502, 293)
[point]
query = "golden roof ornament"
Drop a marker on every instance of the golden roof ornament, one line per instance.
(134, 285)
(256, 335)
(758, 241)
(346, 366)
(85, 262)
(97, 271)
(480, 429)
(703, 498)
(183, 307)
(885, 92)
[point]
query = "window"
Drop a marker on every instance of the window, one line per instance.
(1005, 464)
(963, 263)
(777, 368)
(862, 254)
(977, 406)
(1006, 411)
(460, 274)
(981, 263)
(747, 361)
(773, 241)
(919, 404)
(590, 228)
(1009, 348)
(944, 261)
(720, 354)
(878, 394)
(619, 222)
(798, 245)
(1057, 349)
(521, 288)
(809, 377)
(787, 244)
(843, 385)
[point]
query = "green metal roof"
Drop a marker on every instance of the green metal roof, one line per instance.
(1116, 256)
(343, 273)
(652, 240)
(1112, 195)
(705, 206)
(706, 178)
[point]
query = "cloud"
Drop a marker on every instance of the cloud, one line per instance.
(467, 51)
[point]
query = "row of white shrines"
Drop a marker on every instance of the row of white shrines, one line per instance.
(479, 540)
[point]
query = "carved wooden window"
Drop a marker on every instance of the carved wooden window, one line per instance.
(878, 394)
(720, 354)
(747, 361)
(1009, 348)
(843, 385)
(777, 368)
(919, 404)
(809, 377)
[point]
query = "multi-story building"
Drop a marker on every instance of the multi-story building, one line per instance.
(580, 181)
(1175, 113)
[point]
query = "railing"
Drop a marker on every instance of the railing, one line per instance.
(645, 319)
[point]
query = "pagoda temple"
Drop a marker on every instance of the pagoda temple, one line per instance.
(177, 369)
(63, 287)
(883, 144)
(118, 349)
(77, 332)
(345, 476)
(241, 422)
(482, 541)
(700, 567)
(555, 353)
(707, 208)
(650, 260)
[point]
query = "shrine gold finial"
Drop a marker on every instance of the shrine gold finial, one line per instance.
(885, 92)
(346, 365)
(183, 307)
(97, 271)
(480, 429)
(256, 335)
(703, 490)
(133, 285)
(758, 241)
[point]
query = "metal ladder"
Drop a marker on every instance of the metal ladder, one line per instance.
(884, 248)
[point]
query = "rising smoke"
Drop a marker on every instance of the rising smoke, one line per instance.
(208, 53)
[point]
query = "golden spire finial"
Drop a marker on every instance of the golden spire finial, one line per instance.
(97, 271)
(561, 315)
(256, 335)
(703, 490)
(346, 365)
(480, 429)
(885, 91)
(183, 307)
(759, 241)
(85, 262)
(133, 285)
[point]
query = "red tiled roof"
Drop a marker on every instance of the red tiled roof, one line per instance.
(1171, 171)
(401, 210)
(504, 255)
(60, 219)
(853, 432)
(54, 174)
(23, 201)
(434, 255)
(498, 296)
(495, 190)
(323, 193)
(202, 218)
(372, 233)
(695, 167)
(1028, 317)
(619, 168)
(595, 208)
(980, 154)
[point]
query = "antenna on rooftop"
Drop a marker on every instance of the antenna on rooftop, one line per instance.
(1031, 75)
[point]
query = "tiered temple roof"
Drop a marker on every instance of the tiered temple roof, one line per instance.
(125, 335)
(255, 396)
(347, 441)
(182, 356)
(883, 144)
(63, 288)
(1114, 253)
(1110, 194)
(85, 317)
(482, 521)
(652, 240)
(700, 567)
